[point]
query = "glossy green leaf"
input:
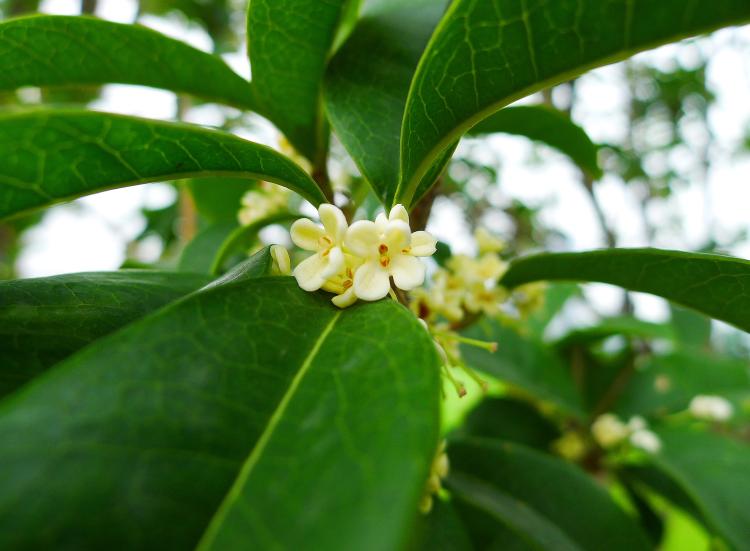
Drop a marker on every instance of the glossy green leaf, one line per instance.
(716, 285)
(289, 43)
(548, 126)
(523, 362)
(241, 407)
(510, 420)
(198, 255)
(368, 80)
(626, 326)
(485, 55)
(714, 471)
(44, 320)
(50, 156)
(547, 502)
(666, 384)
(45, 50)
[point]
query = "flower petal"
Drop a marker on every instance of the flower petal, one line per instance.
(397, 236)
(281, 262)
(308, 273)
(362, 238)
(423, 244)
(333, 221)
(381, 221)
(407, 271)
(335, 263)
(398, 212)
(306, 234)
(371, 281)
(346, 299)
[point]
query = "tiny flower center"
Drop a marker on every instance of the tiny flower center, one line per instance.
(347, 283)
(385, 260)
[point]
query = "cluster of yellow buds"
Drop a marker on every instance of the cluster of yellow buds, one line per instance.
(359, 261)
(438, 471)
(262, 202)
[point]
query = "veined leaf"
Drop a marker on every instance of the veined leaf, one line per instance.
(55, 155)
(715, 285)
(485, 55)
(44, 320)
(523, 362)
(714, 471)
(289, 44)
(368, 80)
(548, 126)
(548, 503)
(241, 407)
(44, 50)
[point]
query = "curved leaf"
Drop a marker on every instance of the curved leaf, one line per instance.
(55, 155)
(289, 44)
(198, 255)
(549, 503)
(546, 125)
(627, 326)
(523, 362)
(485, 55)
(44, 50)
(718, 286)
(253, 399)
(367, 82)
(44, 320)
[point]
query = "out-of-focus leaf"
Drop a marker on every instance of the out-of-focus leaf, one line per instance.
(440, 530)
(556, 296)
(716, 285)
(198, 255)
(219, 199)
(47, 50)
(484, 55)
(511, 421)
(692, 329)
(289, 44)
(547, 502)
(546, 125)
(44, 320)
(55, 155)
(253, 396)
(523, 362)
(626, 326)
(368, 80)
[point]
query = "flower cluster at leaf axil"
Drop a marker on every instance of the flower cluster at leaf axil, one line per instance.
(267, 199)
(359, 261)
(610, 432)
(711, 408)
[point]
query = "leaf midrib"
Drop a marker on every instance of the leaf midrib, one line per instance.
(235, 490)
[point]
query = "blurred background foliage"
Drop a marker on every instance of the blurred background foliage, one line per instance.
(621, 362)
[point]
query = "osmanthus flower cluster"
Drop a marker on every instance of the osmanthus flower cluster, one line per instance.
(262, 202)
(610, 433)
(360, 261)
(711, 408)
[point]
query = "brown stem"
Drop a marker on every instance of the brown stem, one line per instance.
(88, 7)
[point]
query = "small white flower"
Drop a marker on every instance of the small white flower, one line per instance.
(608, 430)
(342, 284)
(637, 423)
(282, 265)
(388, 249)
(645, 440)
(711, 408)
(325, 241)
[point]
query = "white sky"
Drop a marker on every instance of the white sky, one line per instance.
(90, 234)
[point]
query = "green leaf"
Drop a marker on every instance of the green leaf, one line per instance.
(512, 421)
(198, 255)
(713, 284)
(50, 156)
(692, 329)
(547, 502)
(45, 50)
(245, 407)
(626, 326)
(368, 80)
(546, 125)
(523, 362)
(219, 199)
(440, 530)
(666, 384)
(44, 320)
(714, 471)
(485, 55)
(556, 296)
(289, 44)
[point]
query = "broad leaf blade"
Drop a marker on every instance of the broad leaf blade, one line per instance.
(57, 155)
(368, 80)
(544, 500)
(198, 255)
(64, 51)
(289, 44)
(155, 435)
(484, 55)
(45, 320)
(713, 284)
(548, 126)
(525, 363)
